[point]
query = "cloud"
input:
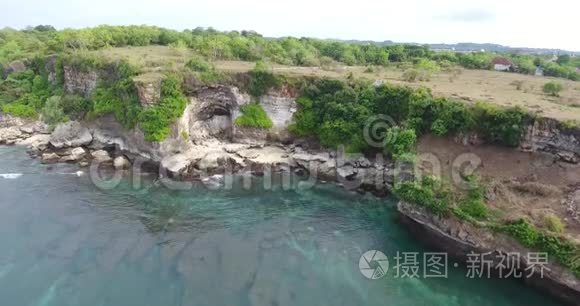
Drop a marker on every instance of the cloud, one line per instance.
(469, 15)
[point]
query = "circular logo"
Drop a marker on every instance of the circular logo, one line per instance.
(373, 264)
(376, 128)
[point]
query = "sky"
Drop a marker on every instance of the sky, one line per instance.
(516, 23)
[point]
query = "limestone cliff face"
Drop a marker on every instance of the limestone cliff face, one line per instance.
(549, 135)
(79, 82)
(148, 88)
(83, 83)
(209, 116)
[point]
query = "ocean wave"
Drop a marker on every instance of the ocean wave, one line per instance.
(10, 176)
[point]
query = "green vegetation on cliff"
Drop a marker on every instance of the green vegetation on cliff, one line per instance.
(155, 121)
(251, 46)
(253, 115)
(337, 113)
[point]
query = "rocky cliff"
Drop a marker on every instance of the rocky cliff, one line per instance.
(549, 135)
(459, 239)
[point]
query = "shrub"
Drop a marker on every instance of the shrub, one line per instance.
(523, 231)
(305, 120)
(571, 124)
(473, 205)
(554, 224)
(414, 75)
(552, 88)
(156, 121)
(369, 69)
(199, 64)
(52, 112)
(75, 106)
(504, 126)
(253, 115)
(427, 65)
(564, 250)
(400, 141)
(115, 94)
(20, 110)
(428, 192)
(262, 79)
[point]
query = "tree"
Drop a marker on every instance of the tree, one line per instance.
(552, 88)
(563, 59)
(52, 112)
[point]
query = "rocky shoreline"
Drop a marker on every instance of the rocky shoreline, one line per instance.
(459, 239)
(74, 142)
(105, 142)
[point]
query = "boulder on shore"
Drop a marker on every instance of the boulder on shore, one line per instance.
(10, 134)
(50, 158)
(121, 162)
(75, 154)
(101, 156)
(70, 134)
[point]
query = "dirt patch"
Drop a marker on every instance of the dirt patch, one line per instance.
(533, 185)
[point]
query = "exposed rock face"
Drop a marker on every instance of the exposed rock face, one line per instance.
(250, 135)
(459, 239)
(148, 89)
(79, 82)
(70, 134)
(51, 68)
(107, 132)
(547, 135)
(14, 67)
(212, 113)
(279, 108)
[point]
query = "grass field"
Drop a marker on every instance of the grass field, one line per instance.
(508, 89)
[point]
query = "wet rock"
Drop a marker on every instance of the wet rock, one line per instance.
(176, 164)
(37, 142)
(121, 162)
(49, 158)
(346, 172)
(214, 160)
(213, 181)
(101, 156)
(70, 134)
(74, 155)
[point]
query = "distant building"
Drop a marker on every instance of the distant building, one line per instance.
(539, 71)
(502, 64)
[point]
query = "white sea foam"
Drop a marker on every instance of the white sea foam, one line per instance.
(10, 176)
